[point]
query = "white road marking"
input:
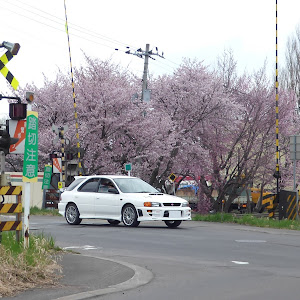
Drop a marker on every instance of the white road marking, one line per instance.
(250, 241)
(240, 262)
(85, 247)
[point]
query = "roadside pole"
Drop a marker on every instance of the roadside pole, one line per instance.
(30, 165)
(295, 156)
(26, 214)
(26, 202)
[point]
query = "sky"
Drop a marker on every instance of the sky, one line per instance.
(195, 29)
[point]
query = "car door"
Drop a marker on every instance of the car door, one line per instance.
(85, 198)
(107, 202)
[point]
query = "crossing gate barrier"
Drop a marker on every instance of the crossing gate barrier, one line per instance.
(269, 201)
(12, 208)
(287, 205)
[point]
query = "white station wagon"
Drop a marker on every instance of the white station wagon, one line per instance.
(118, 198)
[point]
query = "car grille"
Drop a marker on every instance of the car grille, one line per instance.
(172, 204)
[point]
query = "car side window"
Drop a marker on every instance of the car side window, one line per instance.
(90, 186)
(105, 184)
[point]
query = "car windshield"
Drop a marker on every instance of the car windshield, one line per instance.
(74, 184)
(134, 185)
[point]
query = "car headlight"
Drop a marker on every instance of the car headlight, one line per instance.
(185, 204)
(152, 204)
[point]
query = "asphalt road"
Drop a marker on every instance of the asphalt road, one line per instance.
(198, 260)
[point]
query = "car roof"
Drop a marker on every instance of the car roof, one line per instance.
(105, 176)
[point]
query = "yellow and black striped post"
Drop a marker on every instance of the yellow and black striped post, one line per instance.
(10, 226)
(277, 172)
(10, 190)
(4, 59)
(12, 208)
(74, 97)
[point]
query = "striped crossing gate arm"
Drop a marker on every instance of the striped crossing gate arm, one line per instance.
(4, 59)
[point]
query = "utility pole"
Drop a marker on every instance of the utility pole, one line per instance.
(144, 91)
(146, 55)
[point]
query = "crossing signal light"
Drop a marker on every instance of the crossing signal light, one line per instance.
(17, 111)
(13, 48)
(29, 97)
(6, 141)
(69, 156)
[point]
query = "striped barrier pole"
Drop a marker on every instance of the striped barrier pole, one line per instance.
(277, 172)
(12, 208)
(4, 59)
(74, 97)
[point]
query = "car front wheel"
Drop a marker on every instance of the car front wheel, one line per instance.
(129, 216)
(173, 224)
(72, 215)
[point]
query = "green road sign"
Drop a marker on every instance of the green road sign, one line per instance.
(47, 177)
(128, 167)
(30, 164)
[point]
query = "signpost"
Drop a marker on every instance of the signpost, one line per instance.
(17, 129)
(57, 167)
(47, 177)
(173, 177)
(128, 168)
(30, 166)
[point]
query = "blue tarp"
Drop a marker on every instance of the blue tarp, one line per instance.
(194, 187)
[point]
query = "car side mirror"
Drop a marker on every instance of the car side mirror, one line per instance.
(113, 191)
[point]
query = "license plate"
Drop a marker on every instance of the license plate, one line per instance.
(173, 214)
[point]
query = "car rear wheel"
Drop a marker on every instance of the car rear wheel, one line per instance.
(173, 224)
(113, 222)
(72, 215)
(129, 216)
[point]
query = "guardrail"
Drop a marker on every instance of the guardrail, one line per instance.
(11, 208)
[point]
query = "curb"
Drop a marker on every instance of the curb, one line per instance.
(141, 277)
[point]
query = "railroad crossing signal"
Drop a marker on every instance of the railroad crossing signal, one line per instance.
(4, 59)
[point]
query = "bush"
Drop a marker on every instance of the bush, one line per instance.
(22, 269)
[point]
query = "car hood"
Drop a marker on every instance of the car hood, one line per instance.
(156, 197)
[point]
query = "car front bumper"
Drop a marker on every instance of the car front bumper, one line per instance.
(164, 213)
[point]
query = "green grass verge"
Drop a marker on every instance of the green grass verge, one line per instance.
(45, 211)
(37, 243)
(24, 268)
(249, 220)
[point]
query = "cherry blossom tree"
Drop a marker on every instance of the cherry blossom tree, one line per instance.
(243, 151)
(213, 125)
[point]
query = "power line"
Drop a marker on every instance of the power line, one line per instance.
(75, 27)
(61, 23)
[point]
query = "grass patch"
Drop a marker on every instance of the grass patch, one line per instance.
(249, 220)
(22, 269)
(44, 211)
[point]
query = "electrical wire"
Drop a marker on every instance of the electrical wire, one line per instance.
(61, 22)
(81, 30)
